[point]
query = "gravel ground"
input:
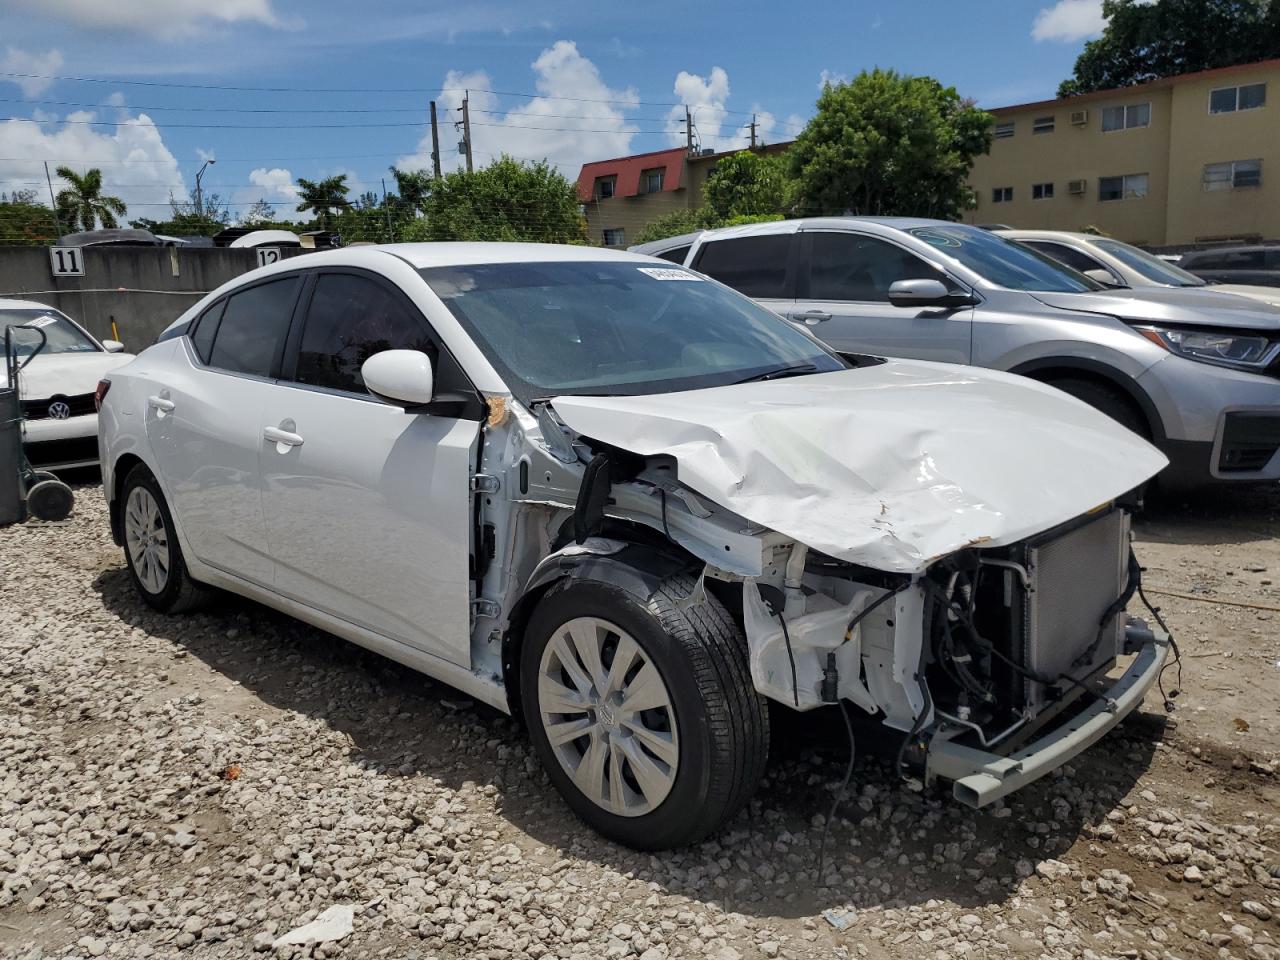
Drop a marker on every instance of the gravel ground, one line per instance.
(201, 786)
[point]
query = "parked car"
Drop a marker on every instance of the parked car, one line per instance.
(1258, 265)
(629, 505)
(61, 430)
(1116, 264)
(1195, 374)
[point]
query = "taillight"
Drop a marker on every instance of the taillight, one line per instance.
(100, 393)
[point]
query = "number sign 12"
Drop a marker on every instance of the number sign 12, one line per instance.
(268, 255)
(66, 261)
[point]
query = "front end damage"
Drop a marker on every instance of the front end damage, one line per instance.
(988, 651)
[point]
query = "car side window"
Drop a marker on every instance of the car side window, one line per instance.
(253, 327)
(1071, 257)
(755, 266)
(206, 327)
(351, 318)
(676, 254)
(850, 266)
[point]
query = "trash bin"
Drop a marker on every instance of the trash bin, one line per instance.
(12, 495)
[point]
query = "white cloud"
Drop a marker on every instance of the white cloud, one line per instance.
(1068, 21)
(168, 18)
(144, 181)
(565, 132)
(41, 65)
(705, 98)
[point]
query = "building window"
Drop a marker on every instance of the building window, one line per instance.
(1233, 175)
(615, 237)
(1132, 186)
(1004, 130)
(1042, 125)
(604, 187)
(1002, 194)
(652, 180)
(1042, 191)
(1230, 99)
(1127, 117)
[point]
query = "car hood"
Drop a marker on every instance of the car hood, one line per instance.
(1269, 295)
(66, 374)
(890, 466)
(1183, 306)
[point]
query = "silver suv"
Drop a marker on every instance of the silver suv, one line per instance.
(1196, 373)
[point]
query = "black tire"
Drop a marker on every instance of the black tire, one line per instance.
(1106, 399)
(50, 500)
(723, 722)
(180, 593)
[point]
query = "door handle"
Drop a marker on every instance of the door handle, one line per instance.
(283, 439)
(162, 404)
(810, 317)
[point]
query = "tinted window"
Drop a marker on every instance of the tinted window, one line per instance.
(206, 327)
(677, 255)
(350, 319)
(1071, 257)
(1003, 262)
(618, 328)
(847, 266)
(253, 325)
(756, 266)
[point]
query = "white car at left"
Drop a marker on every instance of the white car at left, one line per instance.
(58, 384)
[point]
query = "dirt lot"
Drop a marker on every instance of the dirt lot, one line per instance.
(199, 786)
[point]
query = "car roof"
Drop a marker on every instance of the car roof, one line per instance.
(448, 254)
(1239, 248)
(820, 223)
(666, 243)
(1015, 233)
(9, 304)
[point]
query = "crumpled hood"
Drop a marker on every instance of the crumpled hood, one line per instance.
(890, 466)
(1181, 306)
(68, 374)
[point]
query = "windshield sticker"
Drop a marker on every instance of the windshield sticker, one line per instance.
(668, 273)
(939, 239)
(41, 321)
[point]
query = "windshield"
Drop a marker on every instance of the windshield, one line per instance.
(1150, 266)
(1003, 262)
(618, 328)
(64, 336)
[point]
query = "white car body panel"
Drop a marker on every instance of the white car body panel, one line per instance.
(845, 463)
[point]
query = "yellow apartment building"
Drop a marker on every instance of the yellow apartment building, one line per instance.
(1182, 160)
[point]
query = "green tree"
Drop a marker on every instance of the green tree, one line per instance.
(673, 224)
(748, 184)
(261, 214)
(1145, 41)
(412, 189)
(23, 220)
(82, 205)
(190, 219)
(323, 197)
(507, 200)
(889, 144)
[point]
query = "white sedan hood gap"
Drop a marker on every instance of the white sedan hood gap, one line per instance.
(889, 466)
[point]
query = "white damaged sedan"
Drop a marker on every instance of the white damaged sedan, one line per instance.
(61, 425)
(629, 505)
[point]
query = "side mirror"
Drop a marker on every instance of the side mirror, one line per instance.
(112, 346)
(400, 377)
(926, 293)
(1103, 277)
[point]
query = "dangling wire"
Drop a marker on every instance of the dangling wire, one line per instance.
(835, 804)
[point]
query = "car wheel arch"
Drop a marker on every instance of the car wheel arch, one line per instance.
(1048, 369)
(119, 470)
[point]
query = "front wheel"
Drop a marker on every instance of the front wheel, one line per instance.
(643, 714)
(151, 547)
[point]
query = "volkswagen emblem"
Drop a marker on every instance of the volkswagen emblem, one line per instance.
(59, 410)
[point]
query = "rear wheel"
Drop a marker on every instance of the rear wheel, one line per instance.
(151, 547)
(643, 714)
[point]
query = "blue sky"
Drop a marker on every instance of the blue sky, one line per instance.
(599, 80)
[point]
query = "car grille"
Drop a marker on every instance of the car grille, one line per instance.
(39, 409)
(1074, 578)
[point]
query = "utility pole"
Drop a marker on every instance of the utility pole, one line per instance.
(52, 201)
(465, 146)
(688, 131)
(387, 210)
(753, 131)
(435, 142)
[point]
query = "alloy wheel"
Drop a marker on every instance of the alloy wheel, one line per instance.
(146, 540)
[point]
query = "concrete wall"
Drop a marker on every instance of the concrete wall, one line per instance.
(143, 288)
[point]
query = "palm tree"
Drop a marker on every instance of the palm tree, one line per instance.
(82, 204)
(323, 197)
(413, 188)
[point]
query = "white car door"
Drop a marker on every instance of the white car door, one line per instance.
(843, 297)
(368, 506)
(204, 424)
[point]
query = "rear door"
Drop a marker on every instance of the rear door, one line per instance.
(368, 506)
(762, 267)
(843, 296)
(204, 425)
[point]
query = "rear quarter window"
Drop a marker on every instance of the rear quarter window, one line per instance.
(755, 266)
